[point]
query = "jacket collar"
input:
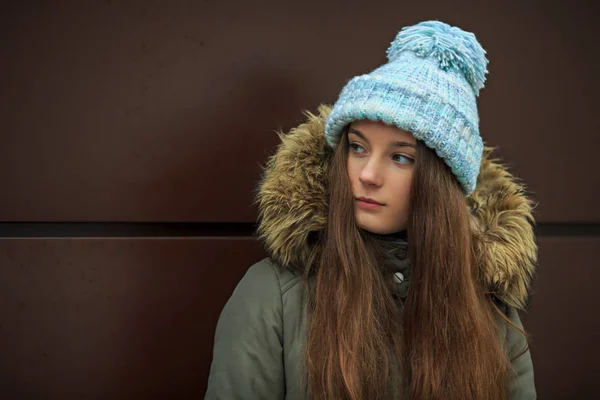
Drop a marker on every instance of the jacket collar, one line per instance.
(292, 204)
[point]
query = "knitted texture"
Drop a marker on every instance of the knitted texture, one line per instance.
(429, 88)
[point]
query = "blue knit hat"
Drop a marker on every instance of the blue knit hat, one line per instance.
(428, 88)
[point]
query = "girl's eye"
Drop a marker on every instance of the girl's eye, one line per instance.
(402, 159)
(356, 147)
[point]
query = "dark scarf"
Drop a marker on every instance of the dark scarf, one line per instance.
(395, 248)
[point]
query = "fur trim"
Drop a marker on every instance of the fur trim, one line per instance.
(292, 203)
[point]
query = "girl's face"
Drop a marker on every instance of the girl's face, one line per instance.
(381, 162)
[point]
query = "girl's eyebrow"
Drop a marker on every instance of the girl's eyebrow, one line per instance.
(393, 144)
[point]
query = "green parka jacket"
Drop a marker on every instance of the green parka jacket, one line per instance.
(261, 333)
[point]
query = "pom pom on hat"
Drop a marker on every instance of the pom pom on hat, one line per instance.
(450, 46)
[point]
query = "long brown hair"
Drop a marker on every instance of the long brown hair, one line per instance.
(443, 342)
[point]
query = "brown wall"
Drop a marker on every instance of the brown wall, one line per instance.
(132, 134)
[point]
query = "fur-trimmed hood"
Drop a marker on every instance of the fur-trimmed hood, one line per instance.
(292, 203)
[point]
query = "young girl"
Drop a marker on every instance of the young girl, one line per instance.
(399, 250)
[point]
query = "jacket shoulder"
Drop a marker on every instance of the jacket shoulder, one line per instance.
(258, 293)
(248, 345)
(286, 278)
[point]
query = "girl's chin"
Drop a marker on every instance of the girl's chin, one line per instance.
(374, 227)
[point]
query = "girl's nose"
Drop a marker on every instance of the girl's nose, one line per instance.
(370, 174)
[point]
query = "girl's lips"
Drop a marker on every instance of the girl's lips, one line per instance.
(368, 206)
